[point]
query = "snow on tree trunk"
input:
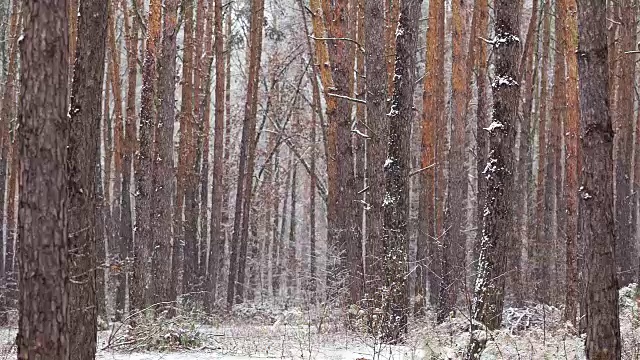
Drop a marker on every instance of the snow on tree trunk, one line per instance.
(395, 238)
(499, 220)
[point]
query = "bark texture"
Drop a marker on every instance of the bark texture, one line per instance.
(43, 136)
(163, 170)
(396, 169)
(596, 191)
(82, 171)
(499, 209)
(144, 164)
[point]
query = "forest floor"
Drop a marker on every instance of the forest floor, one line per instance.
(262, 332)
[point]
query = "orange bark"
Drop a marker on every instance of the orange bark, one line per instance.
(432, 115)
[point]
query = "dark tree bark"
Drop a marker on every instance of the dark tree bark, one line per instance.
(163, 170)
(482, 121)
(596, 191)
(626, 248)
(83, 156)
(144, 164)
(43, 136)
(499, 220)
(396, 168)
(217, 193)
(187, 173)
(376, 95)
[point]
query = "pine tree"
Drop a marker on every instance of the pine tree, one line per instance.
(43, 136)
(596, 190)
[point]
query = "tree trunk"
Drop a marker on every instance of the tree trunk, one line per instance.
(391, 12)
(292, 264)
(482, 121)
(626, 251)
(376, 96)
(596, 191)
(528, 73)
(187, 174)
(144, 164)
(114, 236)
(454, 242)
(83, 156)
(200, 90)
(553, 172)
(540, 272)
(163, 171)
(10, 262)
(217, 194)
(7, 116)
(346, 236)
(396, 202)
(499, 211)
(571, 140)
(245, 168)
(126, 223)
(43, 135)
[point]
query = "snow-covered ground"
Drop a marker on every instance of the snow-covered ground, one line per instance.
(531, 333)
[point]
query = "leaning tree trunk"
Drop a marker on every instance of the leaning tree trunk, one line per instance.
(43, 135)
(498, 214)
(596, 190)
(395, 238)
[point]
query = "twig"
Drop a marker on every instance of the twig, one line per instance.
(340, 38)
(415, 172)
(347, 98)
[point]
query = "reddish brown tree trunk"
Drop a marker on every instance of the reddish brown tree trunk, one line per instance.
(571, 140)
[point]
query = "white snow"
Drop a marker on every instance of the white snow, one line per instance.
(494, 125)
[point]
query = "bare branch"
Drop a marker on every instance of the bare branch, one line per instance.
(415, 172)
(347, 98)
